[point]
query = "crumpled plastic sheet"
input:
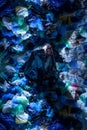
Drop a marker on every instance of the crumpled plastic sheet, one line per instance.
(43, 65)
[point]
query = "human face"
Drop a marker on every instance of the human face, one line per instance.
(48, 49)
